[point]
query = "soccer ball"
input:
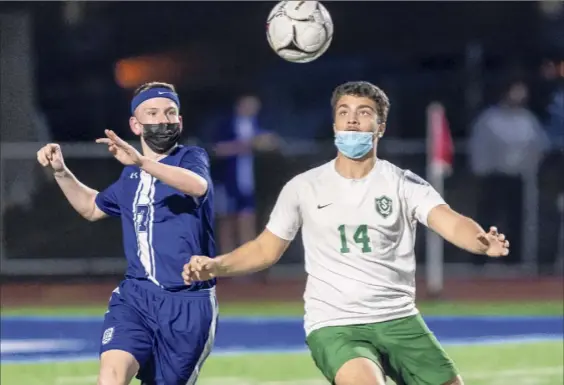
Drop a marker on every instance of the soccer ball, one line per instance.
(299, 31)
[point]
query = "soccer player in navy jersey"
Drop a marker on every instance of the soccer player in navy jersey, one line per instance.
(156, 326)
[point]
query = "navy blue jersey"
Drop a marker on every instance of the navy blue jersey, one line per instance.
(162, 227)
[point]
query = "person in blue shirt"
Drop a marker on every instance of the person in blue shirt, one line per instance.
(235, 142)
(156, 326)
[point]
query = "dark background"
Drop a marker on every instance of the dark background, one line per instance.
(459, 53)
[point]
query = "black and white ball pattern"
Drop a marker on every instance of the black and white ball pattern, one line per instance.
(299, 31)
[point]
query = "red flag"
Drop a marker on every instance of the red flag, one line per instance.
(442, 148)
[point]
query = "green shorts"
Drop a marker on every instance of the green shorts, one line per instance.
(405, 349)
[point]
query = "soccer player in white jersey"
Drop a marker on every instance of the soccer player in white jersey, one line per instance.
(358, 215)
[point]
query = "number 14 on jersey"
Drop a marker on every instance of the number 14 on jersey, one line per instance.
(360, 237)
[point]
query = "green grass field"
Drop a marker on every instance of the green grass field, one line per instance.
(511, 364)
(494, 364)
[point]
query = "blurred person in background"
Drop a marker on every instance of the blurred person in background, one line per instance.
(235, 141)
(549, 102)
(156, 326)
(507, 143)
(552, 99)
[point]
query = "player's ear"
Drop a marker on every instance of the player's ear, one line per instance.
(135, 126)
(180, 122)
(380, 130)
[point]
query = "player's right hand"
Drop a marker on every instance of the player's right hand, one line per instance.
(200, 268)
(51, 155)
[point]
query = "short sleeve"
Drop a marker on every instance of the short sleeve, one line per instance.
(420, 196)
(285, 219)
(197, 161)
(107, 200)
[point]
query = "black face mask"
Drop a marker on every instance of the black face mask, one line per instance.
(161, 137)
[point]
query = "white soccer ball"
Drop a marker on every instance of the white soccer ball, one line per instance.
(299, 31)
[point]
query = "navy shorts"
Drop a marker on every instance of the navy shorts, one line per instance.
(169, 334)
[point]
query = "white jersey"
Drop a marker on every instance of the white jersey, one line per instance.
(359, 238)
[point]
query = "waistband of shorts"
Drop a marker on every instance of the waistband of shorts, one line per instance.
(205, 292)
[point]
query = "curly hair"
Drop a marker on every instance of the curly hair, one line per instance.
(366, 90)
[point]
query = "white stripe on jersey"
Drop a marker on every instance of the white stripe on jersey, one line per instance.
(143, 216)
(151, 221)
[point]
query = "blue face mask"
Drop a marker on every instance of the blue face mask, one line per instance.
(354, 144)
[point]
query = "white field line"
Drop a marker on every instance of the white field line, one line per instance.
(546, 371)
(8, 346)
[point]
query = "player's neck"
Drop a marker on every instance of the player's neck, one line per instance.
(354, 168)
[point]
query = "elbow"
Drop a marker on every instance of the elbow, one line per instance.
(191, 184)
(93, 213)
(89, 215)
(269, 255)
(203, 187)
(200, 189)
(92, 217)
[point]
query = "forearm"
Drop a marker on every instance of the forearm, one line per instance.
(81, 197)
(246, 259)
(181, 179)
(465, 235)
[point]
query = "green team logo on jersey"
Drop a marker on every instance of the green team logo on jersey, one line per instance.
(384, 206)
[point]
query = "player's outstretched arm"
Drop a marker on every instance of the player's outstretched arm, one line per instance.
(256, 255)
(180, 178)
(184, 180)
(253, 256)
(430, 209)
(81, 197)
(465, 233)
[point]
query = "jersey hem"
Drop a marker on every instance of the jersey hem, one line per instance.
(269, 227)
(105, 210)
(150, 286)
(358, 321)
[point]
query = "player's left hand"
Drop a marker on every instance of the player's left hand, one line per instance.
(120, 149)
(494, 243)
(200, 268)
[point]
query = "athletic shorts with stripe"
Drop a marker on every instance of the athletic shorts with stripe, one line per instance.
(170, 334)
(405, 349)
